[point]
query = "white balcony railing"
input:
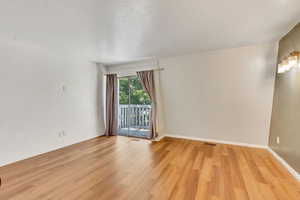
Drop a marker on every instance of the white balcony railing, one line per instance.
(134, 116)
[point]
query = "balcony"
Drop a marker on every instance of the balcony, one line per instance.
(134, 120)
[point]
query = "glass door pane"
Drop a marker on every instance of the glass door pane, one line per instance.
(140, 109)
(123, 114)
(134, 108)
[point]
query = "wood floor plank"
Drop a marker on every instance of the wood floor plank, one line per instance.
(131, 169)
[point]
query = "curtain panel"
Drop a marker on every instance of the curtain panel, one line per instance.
(147, 81)
(111, 104)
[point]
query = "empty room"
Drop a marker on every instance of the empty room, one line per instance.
(150, 100)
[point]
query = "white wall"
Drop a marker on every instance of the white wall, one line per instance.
(43, 46)
(33, 106)
(223, 95)
(219, 95)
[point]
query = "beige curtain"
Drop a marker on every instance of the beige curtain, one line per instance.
(147, 81)
(111, 105)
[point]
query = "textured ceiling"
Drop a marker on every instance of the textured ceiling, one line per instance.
(113, 31)
(155, 28)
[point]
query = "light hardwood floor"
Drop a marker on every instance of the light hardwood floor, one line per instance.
(126, 168)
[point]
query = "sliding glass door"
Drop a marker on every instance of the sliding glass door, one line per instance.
(134, 108)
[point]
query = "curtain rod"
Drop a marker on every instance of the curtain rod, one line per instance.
(158, 69)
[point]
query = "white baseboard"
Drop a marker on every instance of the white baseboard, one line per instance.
(217, 141)
(159, 138)
(281, 160)
(4, 163)
(285, 164)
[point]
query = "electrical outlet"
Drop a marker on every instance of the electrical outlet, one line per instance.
(61, 134)
(63, 88)
(277, 140)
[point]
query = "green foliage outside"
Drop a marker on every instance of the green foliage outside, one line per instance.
(138, 95)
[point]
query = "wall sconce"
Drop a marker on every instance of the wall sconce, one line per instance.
(289, 62)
